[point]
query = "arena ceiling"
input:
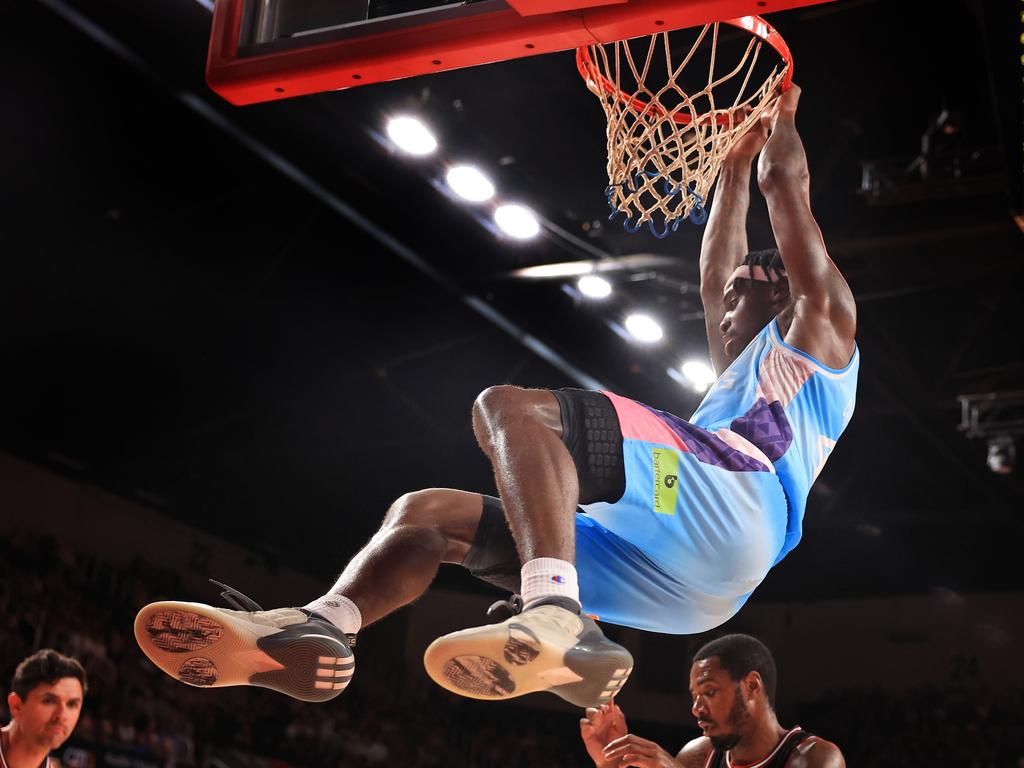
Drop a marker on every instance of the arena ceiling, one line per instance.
(265, 322)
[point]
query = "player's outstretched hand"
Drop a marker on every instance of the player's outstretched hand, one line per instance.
(783, 158)
(601, 726)
(747, 146)
(784, 108)
(631, 750)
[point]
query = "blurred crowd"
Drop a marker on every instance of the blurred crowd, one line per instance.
(963, 725)
(84, 607)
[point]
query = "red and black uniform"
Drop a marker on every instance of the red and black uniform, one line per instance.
(47, 763)
(776, 759)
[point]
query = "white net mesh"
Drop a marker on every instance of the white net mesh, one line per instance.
(669, 127)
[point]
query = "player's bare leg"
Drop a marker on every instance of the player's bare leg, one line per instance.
(520, 430)
(420, 531)
(547, 645)
(306, 652)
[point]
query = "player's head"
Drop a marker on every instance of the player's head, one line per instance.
(732, 682)
(46, 698)
(755, 293)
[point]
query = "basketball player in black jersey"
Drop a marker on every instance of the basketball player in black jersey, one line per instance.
(732, 684)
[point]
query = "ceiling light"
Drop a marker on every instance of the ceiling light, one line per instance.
(470, 184)
(635, 262)
(1002, 454)
(410, 135)
(644, 328)
(563, 269)
(594, 287)
(699, 374)
(517, 221)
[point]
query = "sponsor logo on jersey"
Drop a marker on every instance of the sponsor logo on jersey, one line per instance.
(666, 480)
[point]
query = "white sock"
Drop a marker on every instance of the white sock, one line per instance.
(339, 610)
(548, 577)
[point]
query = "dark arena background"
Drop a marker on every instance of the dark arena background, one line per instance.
(232, 336)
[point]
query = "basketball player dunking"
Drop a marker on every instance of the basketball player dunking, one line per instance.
(607, 507)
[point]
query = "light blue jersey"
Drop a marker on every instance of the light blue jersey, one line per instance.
(711, 504)
(790, 406)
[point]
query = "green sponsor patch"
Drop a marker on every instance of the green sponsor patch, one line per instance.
(666, 480)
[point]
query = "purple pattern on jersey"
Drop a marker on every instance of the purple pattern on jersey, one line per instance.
(707, 447)
(766, 426)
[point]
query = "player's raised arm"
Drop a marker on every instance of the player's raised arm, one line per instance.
(725, 236)
(824, 315)
(601, 726)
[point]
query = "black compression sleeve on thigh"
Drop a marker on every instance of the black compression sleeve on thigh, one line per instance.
(492, 556)
(591, 432)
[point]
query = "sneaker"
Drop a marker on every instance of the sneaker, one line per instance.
(547, 648)
(288, 650)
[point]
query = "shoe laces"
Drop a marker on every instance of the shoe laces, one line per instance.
(505, 609)
(236, 599)
(242, 602)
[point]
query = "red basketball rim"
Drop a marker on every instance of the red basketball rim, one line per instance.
(755, 25)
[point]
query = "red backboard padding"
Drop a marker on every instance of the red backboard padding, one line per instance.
(251, 74)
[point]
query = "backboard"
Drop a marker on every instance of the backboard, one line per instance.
(262, 50)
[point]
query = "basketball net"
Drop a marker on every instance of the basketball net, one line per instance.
(665, 145)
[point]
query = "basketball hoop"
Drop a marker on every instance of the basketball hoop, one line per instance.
(669, 130)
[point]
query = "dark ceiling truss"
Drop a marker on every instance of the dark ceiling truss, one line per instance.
(329, 199)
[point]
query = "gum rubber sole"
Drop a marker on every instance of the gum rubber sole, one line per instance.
(209, 648)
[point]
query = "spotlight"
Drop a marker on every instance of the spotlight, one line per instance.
(470, 184)
(1002, 454)
(699, 374)
(594, 287)
(644, 328)
(517, 221)
(411, 135)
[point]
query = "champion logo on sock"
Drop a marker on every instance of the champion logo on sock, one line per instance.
(558, 579)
